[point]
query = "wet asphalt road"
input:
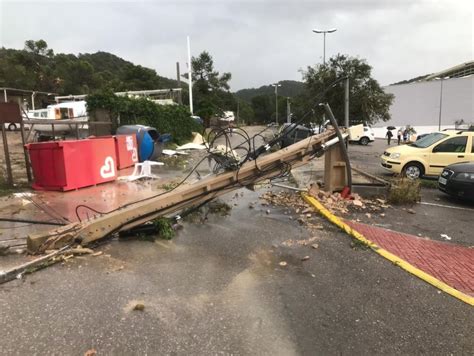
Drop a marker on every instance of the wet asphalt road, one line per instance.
(218, 288)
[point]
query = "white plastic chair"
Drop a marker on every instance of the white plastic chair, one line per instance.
(143, 170)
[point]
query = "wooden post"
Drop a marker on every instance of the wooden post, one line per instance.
(25, 153)
(335, 178)
(7, 157)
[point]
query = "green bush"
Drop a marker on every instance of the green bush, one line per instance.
(404, 191)
(173, 119)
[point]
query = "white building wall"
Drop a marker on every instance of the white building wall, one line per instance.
(417, 105)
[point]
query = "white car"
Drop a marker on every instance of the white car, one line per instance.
(362, 135)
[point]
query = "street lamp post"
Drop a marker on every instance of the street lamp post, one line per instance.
(276, 85)
(324, 45)
(440, 102)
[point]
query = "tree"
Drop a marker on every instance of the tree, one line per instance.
(368, 102)
(210, 89)
(39, 47)
(264, 108)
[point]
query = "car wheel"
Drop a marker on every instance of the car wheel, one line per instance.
(413, 170)
(11, 127)
(364, 141)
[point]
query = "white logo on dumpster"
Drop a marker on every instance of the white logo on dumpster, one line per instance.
(108, 169)
(134, 155)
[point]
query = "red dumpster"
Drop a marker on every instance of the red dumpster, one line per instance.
(67, 165)
(126, 150)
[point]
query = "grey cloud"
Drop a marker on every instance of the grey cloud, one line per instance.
(258, 41)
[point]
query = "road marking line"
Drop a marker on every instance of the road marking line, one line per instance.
(447, 206)
(388, 255)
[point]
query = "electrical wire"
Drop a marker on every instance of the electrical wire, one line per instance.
(228, 160)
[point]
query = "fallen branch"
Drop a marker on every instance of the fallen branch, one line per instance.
(18, 271)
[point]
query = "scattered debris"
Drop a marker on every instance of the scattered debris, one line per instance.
(98, 253)
(283, 263)
(91, 352)
(306, 242)
(219, 207)
(411, 211)
(305, 258)
(268, 211)
(81, 251)
(173, 152)
(446, 237)
(315, 246)
(191, 146)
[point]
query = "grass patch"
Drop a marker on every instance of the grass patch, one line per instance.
(404, 191)
(219, 207)
(178, 161)
(429, 183)
(164, 228)
(169, 186)
(358, 245)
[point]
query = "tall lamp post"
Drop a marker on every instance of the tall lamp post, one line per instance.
(331, 30)
(276, 85)
(440, 101)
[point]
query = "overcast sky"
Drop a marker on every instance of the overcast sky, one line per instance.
(259, 42)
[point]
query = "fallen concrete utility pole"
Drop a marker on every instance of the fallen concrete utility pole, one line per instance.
(135, 214)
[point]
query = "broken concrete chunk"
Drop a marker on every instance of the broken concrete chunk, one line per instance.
(305, 258)
(81, 251)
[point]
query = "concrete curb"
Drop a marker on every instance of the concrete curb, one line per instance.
(384, 253)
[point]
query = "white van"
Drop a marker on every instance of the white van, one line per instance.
(361, 134)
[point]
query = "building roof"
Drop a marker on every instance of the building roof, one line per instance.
(13, 91)
(458, 71)
(461, 70)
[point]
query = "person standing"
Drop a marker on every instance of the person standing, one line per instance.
(405, 135)
(389, 136)
(399, 135)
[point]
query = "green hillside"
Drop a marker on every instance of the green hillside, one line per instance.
(289, 88)
(37, 67)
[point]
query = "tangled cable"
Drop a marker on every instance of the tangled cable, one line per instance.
(227, 158)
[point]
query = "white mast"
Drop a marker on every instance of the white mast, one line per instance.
(190, 80)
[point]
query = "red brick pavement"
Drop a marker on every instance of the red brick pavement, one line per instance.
(448, 262)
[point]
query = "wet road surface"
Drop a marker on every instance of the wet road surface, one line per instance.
(218, 287)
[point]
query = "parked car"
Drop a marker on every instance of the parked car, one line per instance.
(10, 126)
(295, 133)
(363, 137)
(419, 137)
(431, 154)
(458, 180)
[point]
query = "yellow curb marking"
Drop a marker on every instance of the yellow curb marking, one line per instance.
(389, 256)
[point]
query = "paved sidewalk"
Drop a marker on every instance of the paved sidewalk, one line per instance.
(448, 262)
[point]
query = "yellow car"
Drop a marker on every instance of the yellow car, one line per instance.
(429, 155)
